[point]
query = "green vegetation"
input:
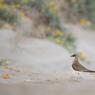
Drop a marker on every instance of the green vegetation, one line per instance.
(48, 15)
(7, 15)
(80, 9)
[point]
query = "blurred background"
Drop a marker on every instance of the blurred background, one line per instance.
(54, 20)
(69, 24)
(37, 38)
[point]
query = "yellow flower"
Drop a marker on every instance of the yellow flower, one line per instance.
(26, 1)
(49, 29)
(58, 33)
(2, 6)
(17, 5)
(22, 14)
(52, 7)
(5, 76)
(52, 4)
(59, 41)
(85, 22)
(82, 55)
(53, 10)
(89, 23)
(14, 6)
(82, 22)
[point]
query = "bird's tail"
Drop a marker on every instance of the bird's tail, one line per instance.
(90, 71)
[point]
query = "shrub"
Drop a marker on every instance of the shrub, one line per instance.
(8, 15)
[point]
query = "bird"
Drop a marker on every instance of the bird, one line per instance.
(78, 67)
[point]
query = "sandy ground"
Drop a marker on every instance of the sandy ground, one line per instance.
(69, 87)
(44, 68)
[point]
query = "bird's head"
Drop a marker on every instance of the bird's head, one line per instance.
(74, 55)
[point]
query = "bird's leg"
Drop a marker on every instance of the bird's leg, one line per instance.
(75, 75)
(78, 73)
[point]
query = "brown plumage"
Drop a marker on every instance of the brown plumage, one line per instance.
(78, 67)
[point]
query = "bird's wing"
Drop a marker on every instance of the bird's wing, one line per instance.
(78, 67)
(82, 68)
